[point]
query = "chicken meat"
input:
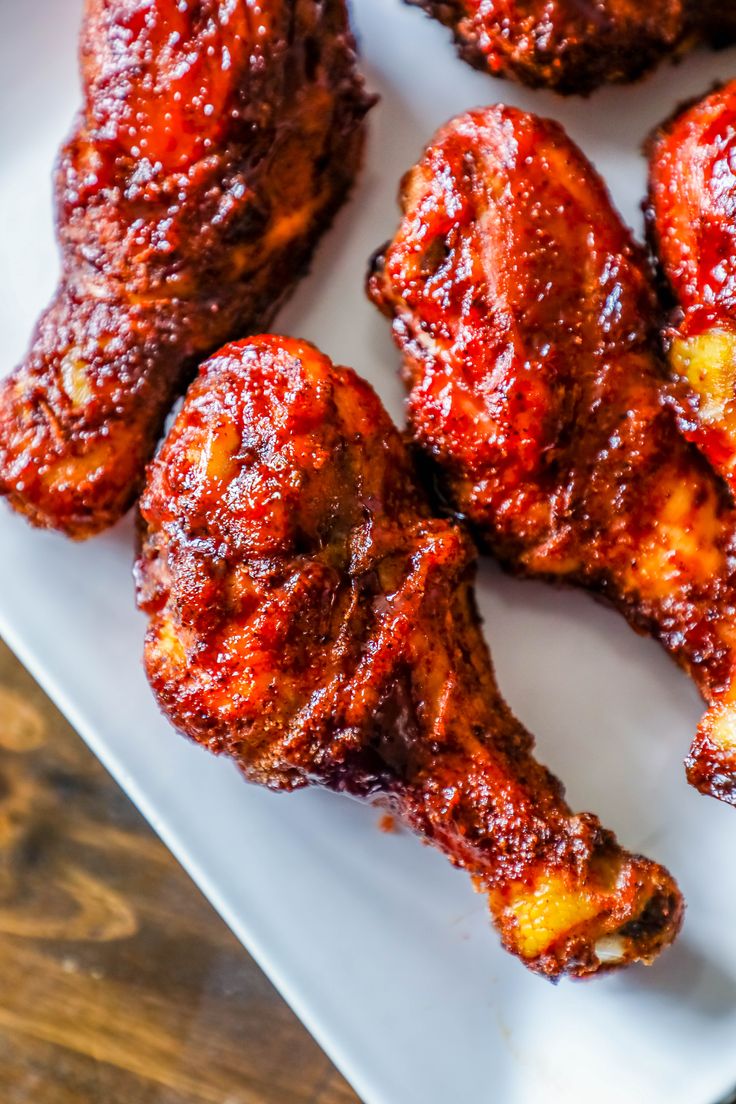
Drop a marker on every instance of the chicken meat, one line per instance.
(528, 325)
(691, 217)
(312, 619)
(574, 46)
(215, 144)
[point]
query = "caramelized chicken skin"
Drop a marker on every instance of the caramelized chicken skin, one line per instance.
(692, 226)
(312, 619)
(215, 143)
(574, 46)
(527, 324)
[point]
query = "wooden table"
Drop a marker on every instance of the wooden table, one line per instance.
(118, 983)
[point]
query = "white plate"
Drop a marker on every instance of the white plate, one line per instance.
(383, 950)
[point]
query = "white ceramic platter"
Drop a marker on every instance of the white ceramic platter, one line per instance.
(383, 950)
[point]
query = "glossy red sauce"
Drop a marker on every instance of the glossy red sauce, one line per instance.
(693, 204)
(170, 72)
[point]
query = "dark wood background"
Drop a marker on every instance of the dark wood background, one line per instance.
(118, 983)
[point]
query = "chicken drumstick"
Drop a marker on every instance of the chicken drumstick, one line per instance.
(574, 46)
(312, 619)
(528, 326)
(692, 226)
(215, 144)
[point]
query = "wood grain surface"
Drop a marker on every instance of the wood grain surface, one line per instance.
(118, 983)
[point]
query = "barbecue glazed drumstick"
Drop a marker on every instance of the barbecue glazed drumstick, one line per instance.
(574, 46)
(692, 227)
(527, 323)
(215, 144)
(310, 618)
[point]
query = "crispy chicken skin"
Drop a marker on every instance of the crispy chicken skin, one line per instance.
(574, 46)
(215, 144)
(311, 618)
(692, 228)
(528, 328)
